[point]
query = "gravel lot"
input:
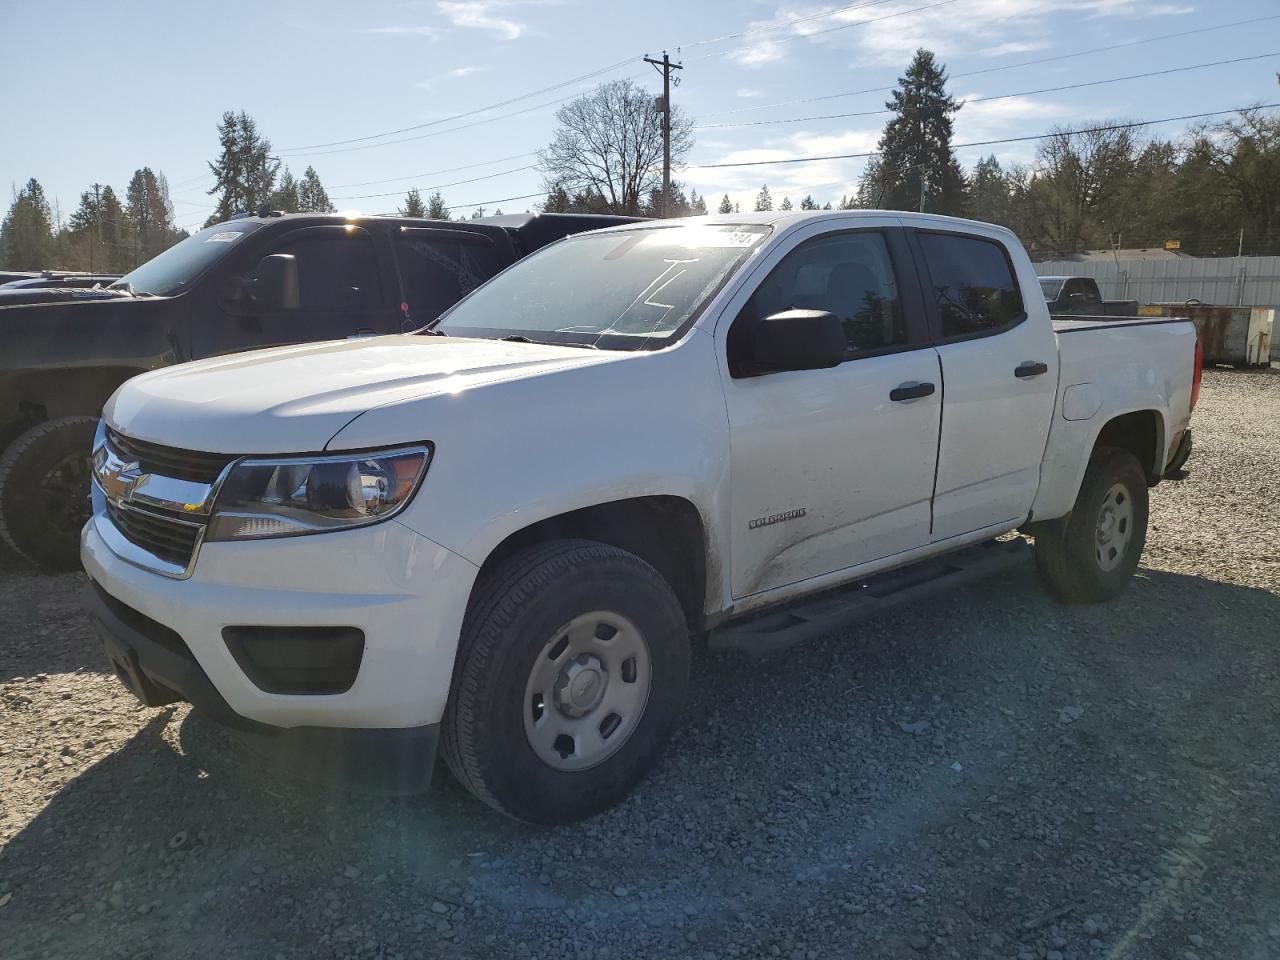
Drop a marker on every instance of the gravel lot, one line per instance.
(996, 776)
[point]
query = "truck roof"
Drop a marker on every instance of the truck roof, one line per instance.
(786, 218)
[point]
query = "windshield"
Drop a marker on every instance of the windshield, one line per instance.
(172, 271)
(1051, 289)
(629, 290)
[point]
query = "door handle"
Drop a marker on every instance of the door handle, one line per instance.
(1031, 368)
(360, 333)
(910, 391)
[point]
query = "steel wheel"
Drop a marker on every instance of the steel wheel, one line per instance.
(64, 495)
(1115, 528)
(587, 691)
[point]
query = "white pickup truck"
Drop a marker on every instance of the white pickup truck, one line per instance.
(499, 535)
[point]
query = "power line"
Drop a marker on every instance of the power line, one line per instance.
(1002, 96)
(983, 143)
(1007, 66)
(466, 113)
(433, 173)
(439, 186)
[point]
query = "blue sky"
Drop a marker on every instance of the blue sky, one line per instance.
(92, 95)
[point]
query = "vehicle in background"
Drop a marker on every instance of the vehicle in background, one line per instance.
(499, 537)
(49, 280)
(1068, 296)
(250, 282)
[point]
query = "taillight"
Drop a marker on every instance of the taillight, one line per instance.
(1199, 373)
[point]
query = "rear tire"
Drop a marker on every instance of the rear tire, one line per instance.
(44, 491)
(566, 646)
(1089, 555)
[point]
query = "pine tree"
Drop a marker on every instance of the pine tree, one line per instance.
(557, 200)
(808, 203)
(786, 204)
(244, 172)
(697, 204)
(916, 144)
(827, 205)
(764, 201)
(285, 196)
(988, 192)
(26, 234)
(311, 194)
(413, 205)
(436, 209)
(726, 205)
(150, 214)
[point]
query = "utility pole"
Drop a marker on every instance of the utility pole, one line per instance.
(666, 66)
(97, 220)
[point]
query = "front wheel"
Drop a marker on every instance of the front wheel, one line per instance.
(44, 491)
(1089, 555)
(571, 674)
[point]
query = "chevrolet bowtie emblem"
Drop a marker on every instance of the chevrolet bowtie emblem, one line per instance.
(116, 477)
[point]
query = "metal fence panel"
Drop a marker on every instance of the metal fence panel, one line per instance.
(1228, 281)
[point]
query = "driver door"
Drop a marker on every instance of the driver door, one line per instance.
(833, 468)
(340, 294)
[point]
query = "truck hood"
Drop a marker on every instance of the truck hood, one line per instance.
(295, 399)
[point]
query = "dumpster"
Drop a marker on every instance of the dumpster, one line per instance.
(1240, 336)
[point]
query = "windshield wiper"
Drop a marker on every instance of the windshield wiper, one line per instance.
(520, 338)
(126, 287)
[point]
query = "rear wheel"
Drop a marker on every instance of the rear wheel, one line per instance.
(44, 491)
(571, 674)
(1090, 554)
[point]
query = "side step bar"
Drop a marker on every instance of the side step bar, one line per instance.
(781, 627)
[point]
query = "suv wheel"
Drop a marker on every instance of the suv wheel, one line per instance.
(570, 676)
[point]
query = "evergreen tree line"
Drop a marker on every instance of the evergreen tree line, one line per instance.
(1088, 188)
(103, 235)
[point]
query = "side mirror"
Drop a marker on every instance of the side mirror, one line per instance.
(273, 285)
(800, 340)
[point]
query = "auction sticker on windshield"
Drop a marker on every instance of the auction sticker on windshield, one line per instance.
(229, 237)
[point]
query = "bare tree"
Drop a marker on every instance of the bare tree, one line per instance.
(609, 143)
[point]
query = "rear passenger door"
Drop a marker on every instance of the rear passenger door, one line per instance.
(439, 266)
(999, 373)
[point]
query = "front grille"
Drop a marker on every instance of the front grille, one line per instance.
(170, 540)
(194, 465)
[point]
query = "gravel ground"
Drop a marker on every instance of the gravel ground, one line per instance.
(995, 776)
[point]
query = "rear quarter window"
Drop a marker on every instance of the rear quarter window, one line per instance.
(972, 282)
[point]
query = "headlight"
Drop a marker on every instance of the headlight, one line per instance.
(287, 497)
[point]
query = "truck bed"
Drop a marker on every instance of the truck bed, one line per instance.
(1070, 323)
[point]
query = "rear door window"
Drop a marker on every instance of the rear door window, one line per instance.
(440, 267)
(972, 283)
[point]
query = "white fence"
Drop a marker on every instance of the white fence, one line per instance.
(1226, 281)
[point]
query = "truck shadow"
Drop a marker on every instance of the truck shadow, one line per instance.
(182, 840)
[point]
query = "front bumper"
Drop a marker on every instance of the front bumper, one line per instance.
(407, 594)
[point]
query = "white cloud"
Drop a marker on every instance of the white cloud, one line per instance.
(889, 35)
(750, 92)
(406, 31)
(466, 71)
(481, 15)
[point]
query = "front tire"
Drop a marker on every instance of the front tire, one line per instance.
(571, 674)
(1089, 555)
(44, 491)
